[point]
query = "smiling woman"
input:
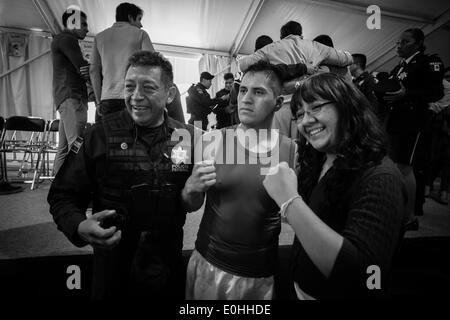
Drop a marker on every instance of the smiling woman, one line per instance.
(352, 215)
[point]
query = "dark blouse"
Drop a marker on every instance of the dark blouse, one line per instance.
(369, 213)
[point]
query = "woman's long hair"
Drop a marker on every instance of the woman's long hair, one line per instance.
(361, 141)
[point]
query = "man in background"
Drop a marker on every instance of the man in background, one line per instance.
(112, 48)
(70, 73)
(223, 113)
(199, 102)
(364, 81)
(293, 49)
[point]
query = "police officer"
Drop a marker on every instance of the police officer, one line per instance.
(133, 170)
(420, 76)
(199, 102)
(365, 82)
(223, 111)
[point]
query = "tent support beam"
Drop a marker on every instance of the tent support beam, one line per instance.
(390, 53)
(40, 33)
(47, 15)
(250, 18)
(190, 50)
(24, 64)
(362, 9)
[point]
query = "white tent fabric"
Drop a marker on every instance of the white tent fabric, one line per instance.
(28, 91)
(188, 29)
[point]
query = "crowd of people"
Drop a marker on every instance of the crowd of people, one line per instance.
(304, 136)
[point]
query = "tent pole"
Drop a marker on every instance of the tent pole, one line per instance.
(250, 18)
(24, 64)
(362, 9)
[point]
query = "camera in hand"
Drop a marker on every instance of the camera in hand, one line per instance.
(116, 220)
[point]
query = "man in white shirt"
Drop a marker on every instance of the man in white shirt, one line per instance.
(293, 49)
(112, 48)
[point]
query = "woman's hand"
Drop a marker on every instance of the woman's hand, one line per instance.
(281, 183)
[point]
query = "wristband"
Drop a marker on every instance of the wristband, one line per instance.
(286, 204)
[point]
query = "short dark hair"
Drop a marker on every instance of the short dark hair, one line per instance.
(360, 59)
(291, 27)
(152, 59)
(418, 36)
(125, 9)
(361, 138)
(262, 41)
(272, 72)
(325, 40)
(68, 13)
(227, 76)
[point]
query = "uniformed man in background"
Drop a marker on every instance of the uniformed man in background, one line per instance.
(199, 102)
(409, 119)
(222, 111)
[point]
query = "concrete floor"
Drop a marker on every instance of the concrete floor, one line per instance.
(27, 228)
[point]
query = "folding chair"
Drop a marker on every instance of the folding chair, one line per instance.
(23, 135)
(2, 160)
(49, 146)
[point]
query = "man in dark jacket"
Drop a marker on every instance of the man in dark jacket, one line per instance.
(199, 102)
(133, 168)
(70, 73)
(222, 111)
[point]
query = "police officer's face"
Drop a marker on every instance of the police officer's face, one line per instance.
(146, 95)
(407, 45)
(207, 83)
(257, 100)
(229, 84)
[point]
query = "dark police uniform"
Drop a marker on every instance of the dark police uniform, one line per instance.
(222, 116)
(365, 82)
(408, 122)
(130, 169)
(199, 104)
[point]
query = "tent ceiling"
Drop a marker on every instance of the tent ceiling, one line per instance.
(224, 26)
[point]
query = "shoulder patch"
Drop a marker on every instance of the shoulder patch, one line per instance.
(435, 66)
(76, 146)
(200, 91)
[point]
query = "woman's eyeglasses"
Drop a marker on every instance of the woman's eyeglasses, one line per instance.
(315, 110)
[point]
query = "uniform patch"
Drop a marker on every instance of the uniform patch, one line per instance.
(180, 167)
(179, 155)
(435, 66)
(76, 146)
(124, 146)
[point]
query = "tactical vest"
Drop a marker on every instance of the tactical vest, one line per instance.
(141, 182)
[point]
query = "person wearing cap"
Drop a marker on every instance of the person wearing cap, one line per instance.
(199, 102)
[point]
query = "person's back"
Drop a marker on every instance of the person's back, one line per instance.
(112, 48)
(293, 49)
(67, 80)
(115, 45)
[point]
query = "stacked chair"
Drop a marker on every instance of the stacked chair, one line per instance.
(25, 136)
